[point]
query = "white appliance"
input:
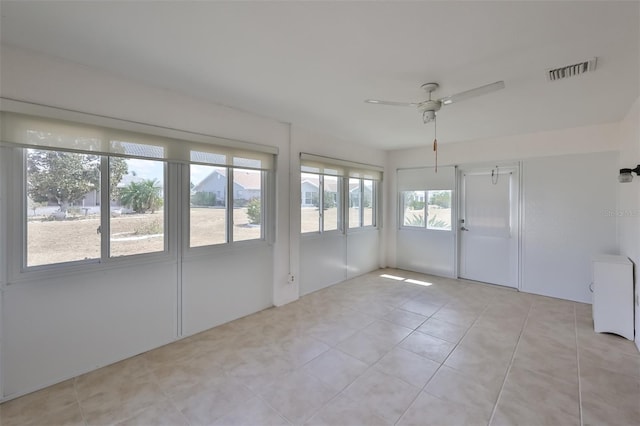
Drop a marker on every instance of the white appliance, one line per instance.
(613, 295)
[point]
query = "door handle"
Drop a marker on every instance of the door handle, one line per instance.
(462, 228)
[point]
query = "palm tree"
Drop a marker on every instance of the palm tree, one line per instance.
(142, 196)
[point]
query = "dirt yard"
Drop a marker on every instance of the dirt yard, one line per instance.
(55, 241)
(310, 219)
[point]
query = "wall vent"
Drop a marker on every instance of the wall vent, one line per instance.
(572, 70)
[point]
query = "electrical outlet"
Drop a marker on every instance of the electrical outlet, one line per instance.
(291, 278)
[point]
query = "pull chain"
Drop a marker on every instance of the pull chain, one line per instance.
(435, 141)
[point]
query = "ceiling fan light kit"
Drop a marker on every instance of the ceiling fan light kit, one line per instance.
(430, 107)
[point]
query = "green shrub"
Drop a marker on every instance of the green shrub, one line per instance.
(254, 211)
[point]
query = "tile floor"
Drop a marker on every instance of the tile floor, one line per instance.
(369, 351)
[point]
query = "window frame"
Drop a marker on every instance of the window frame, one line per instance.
(105, 257)
(374, 205)
(228, 209)
(17, 116)
(425, 227)
(321, 202)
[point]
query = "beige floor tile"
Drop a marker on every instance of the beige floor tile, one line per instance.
(405, 318)
(300, 350)
(162, 414)
(443, 330)
(120, 402)
(204, 404)
(67, 415)
(130, 371)
(387, 330)
(335, 369)
(428, 346)
(408, 366)
(611, 391)
(383, 395)
(420, 307)
(367, 348)
(597, 410)
(372, 339)
(453, 386)
(177, 377)
(176, 351)
(37, 406)
(530, 398)
(485, 369)
(297, 396)
(489, 344)
(540, 355)
(344, 411)
(253, 412)
(428, 410)
(374, 309)
(331, 332)
(458, 316)
(353, 319)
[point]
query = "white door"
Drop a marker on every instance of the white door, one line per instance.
(488, 225)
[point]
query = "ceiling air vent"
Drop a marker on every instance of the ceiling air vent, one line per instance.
(572, 70)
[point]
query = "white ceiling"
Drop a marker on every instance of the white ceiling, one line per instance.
(313, 63)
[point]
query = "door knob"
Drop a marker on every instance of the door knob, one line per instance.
(462, 228)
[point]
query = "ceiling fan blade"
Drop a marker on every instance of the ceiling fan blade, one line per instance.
(379, 102)
(482, 90)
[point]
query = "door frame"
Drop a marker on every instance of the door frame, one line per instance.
(518, 215)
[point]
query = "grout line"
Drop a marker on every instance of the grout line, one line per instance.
(75, 390)
(575, 327)
(443, 361)
(513, 356)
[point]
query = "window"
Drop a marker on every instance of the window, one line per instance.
(337, 193)
(207, 211)
(430, 209)
(414, 209)
(62, 207)
(136, 206)
(310, 203)
(247, 204)
(439, 210)
(95, 194)
(214, 205)
(362, 203)
(320, 203)
(331, 202)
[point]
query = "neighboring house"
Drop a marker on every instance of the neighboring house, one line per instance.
(309, 190)
(247, 185)
(354, 195)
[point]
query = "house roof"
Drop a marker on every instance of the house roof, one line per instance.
(249, 180)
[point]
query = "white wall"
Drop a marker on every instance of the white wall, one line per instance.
(41, 343)
(53, 329)
(566, 202)
(582, 163)
(426, 251)
(628, 211)
(330, 258)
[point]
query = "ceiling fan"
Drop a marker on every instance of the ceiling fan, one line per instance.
(430, 107)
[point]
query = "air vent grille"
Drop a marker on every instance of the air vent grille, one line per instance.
(571, 70)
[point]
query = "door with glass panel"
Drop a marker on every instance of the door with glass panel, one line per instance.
(489, 225)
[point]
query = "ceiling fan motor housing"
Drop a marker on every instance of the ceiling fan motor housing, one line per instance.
(430, 105)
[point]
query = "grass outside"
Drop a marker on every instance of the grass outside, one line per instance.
(56, 241)
(310, 222)
(435, 213)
